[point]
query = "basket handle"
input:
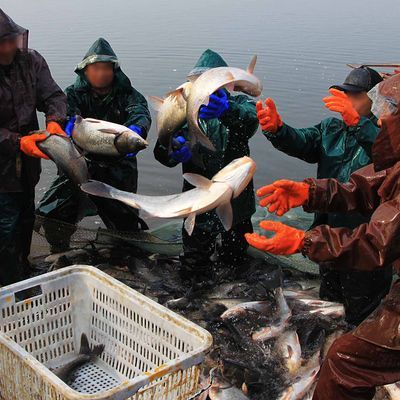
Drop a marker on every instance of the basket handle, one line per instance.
(27, 293)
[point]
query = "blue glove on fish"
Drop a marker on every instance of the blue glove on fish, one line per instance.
(70, 126)
(217, 107)
(138, 130)
(181, 152)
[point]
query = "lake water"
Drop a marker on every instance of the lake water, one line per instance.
(302, 46)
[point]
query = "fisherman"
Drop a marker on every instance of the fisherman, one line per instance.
(339, 147)
(370, 355)
(101, 91)
(26, 86)
(229, 122)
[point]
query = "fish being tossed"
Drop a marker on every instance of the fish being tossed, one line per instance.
(207, 195)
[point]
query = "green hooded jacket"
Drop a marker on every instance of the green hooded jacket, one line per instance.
(338, 150)
(123, 105)
(230, 135)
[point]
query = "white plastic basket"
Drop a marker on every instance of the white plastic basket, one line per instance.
(150, 352)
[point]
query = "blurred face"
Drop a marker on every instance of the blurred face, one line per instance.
(8, 49)
(361, 102)
(100, 75)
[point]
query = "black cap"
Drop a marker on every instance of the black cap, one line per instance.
(361, 79)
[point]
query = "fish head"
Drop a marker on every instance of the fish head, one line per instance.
(237, 174)
(130, 142)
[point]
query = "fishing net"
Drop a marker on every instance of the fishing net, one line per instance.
(165, 240)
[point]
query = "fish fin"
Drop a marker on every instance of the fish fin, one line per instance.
(78, 119)
(85, 348)
(225, 214)
(252, 65)
(97, 351)
(186, 87)
(197, 180)
(175, 92)
(189, 223)
(156, 102)
(109, 130)
(200, 138)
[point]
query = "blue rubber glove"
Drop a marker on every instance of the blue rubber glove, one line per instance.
(181, 152)
(217, 106)
(138, 130)
(70, 126)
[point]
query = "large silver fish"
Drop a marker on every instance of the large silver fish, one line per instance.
(62, 151)
(171, 112)
(216, 193)
(230, 78)
(288, 346)
(106, 138)
(85, 355)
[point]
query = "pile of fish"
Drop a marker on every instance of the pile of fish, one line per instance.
(183, 104)
(273, 349)
(270, 335)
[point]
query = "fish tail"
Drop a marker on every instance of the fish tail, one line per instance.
(86, 350)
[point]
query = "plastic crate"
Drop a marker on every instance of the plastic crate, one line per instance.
(150, 352)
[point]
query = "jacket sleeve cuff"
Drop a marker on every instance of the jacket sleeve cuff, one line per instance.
(309, 239)
(316, 196)
(275, 136)
(56, 118)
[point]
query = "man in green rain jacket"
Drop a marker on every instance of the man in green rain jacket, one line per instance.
(101, 91)
(339, 147)
(229, 122)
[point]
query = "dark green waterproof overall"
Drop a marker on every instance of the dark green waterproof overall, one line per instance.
(123, 105)
(230, 135)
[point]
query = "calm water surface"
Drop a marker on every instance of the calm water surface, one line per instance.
(302, 48)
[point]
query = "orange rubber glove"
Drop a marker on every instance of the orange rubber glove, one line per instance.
(268, 117)
(54, 128)
(29, 147)
(287, 240)
(340, 102)
(283, 195)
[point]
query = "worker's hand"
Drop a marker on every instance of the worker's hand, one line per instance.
(138, 130)
(287, 240)
(70, 126)
(270, 120)
(180, 150)
(54, 128)
(283, 195)
(29, 147)
(340, 102)
(217, 106)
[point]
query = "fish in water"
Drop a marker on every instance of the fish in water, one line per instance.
(62, 151)
(171, 114)
(221, 389)
(207, 195)
(106, 138)
(232, 79)
(86, 354)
